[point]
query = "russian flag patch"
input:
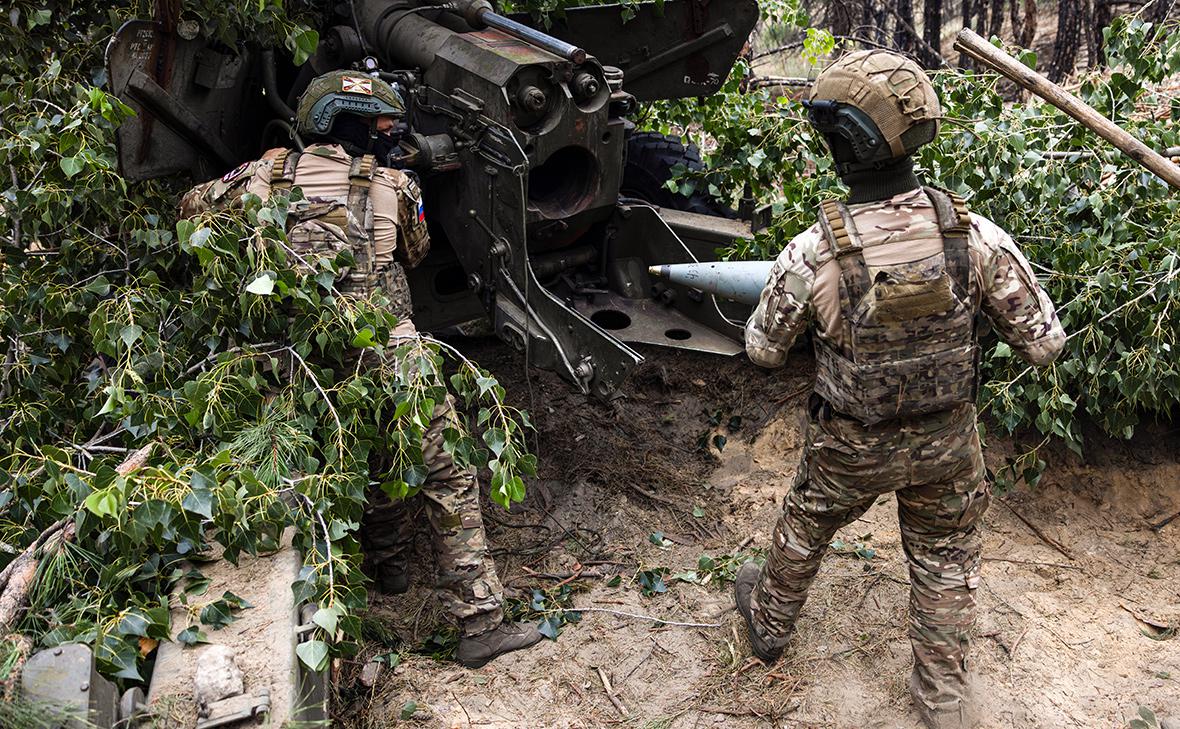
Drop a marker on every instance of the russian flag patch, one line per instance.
(421, 213)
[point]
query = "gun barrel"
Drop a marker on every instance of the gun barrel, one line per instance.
(537, 38)
(740, 281)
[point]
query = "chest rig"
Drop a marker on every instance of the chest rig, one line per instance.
(326, 225)
(910, 328)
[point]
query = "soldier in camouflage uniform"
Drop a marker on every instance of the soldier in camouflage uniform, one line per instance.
(893, 280)
(353, 202)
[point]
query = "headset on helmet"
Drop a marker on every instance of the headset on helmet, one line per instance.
(333, 97)
(873, 107)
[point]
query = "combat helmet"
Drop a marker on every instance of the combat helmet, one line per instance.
(332, 95)
(873, 107)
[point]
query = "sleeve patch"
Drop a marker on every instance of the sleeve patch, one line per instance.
(235, 173)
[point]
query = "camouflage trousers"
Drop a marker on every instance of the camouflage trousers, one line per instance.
(467, 583)
(935, 466)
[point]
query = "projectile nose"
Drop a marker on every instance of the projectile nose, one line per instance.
(661, 271)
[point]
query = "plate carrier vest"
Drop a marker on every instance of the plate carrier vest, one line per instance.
(911, 345)
(326, 227)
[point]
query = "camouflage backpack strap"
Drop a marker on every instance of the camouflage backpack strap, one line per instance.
(282, 173)
(836, 222)
(360, 179)
(954, 221)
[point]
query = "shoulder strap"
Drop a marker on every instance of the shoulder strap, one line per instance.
(282, 174)
(360, 179)
(836, 222)
(954, 221)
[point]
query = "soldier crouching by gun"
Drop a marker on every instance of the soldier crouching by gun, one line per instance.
(354, 202)
(892, 280)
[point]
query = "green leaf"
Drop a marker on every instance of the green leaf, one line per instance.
(314, 654)
(698, 512)
(70, 165)
(191, 636)
(100, 285)
(133, 623)
(408, 710)
(364, 338)
(217, 615)
(199, 501)
(130, 334)
(550, 627)
(184, 230)
(102, 503)
(264, 285)
(326, 618)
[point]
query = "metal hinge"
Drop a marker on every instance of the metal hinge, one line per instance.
(236, 708)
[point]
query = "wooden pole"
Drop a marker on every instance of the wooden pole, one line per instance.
(973, 45)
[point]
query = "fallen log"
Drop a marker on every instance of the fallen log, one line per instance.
(972, 44)
(15, 593)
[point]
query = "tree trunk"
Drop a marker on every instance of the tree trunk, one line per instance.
(1156, 10)
(968, 14)
(931, 31)
(880, 21)
(1087, 31)
(838, 17)
(997, 19)
(1029, 30)
(1102, 18)
(903, 37)
(1065, 46)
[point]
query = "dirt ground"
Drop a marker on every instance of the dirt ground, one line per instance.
(1073, 626)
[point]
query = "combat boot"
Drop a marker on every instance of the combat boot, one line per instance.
(743, 589)
(944, 712)
(476, 650)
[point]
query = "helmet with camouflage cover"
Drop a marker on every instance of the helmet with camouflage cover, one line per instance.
(345, 92)
(873, 107)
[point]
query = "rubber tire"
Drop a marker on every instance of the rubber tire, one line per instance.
(648, 165)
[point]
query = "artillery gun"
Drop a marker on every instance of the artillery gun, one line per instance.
(523, 142)
(520, 138)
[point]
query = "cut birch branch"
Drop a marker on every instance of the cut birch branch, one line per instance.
(15, 593)
(972, 44)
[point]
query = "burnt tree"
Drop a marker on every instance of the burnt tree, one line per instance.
(932, 33)
(904, 38)
(1069, 36)
(1023, 32)
(997, 18)
(839, 17)
(968, 16)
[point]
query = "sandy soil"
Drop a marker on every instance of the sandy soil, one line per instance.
(1067, 636)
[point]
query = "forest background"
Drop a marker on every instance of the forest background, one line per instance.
(152, 398)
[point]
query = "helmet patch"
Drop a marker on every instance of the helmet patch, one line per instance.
(356, 85)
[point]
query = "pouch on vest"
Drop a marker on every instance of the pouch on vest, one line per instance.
(911, 347)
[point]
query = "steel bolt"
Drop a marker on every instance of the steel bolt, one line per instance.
(57, 651)
(585, 85)
(85, 685)
(532, 98)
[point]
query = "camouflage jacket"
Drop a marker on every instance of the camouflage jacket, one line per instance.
(803, 288)
(348, 203)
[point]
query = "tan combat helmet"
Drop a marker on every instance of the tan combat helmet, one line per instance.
(345, 92)
(873, 107)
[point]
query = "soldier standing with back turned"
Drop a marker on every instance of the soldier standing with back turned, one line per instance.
(352, 201)
(894, 281)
